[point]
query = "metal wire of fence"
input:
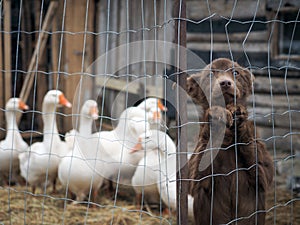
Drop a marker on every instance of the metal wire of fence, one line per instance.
(124, 55)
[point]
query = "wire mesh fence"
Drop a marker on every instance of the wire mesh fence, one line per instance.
(117, 112)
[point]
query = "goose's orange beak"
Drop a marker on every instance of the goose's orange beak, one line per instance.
(23, 106)
(161, 106)
(94, 112)
(137, 147)
(63, 101)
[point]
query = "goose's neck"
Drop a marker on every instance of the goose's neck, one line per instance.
(85, 128)
(11, 123)
(49, 120)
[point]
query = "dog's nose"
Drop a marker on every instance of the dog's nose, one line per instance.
(225, 84)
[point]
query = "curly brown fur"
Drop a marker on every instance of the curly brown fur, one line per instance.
(204, 87)
(233, 187)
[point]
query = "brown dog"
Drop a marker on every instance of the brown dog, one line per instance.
(231, 189)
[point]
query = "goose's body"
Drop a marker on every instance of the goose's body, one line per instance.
(159, 152)
(115, 161)
(13, 144)
(77, 170)
(155, 175)
(39, 164)
(145, 178)
(167, 189)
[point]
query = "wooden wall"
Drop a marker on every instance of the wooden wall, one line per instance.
(276, 94)
(78, 49)
(137, 21)
(55, 48)
(71, 47)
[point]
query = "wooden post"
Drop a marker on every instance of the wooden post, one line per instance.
(26, 40)
(2, 102)
(181, 118)
(76, 60)
(55, 45)
(7, 49)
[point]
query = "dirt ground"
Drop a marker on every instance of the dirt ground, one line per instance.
(284, 209)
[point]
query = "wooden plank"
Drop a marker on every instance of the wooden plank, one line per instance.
(113, 39)
(248, 47)
(197, 10)
(38, 51)
(55, 45)
(279, 139)
(73, 52)
(280, 117)
(274, 4)
(123, 38)
(2, 102)
(26, 39)
(77, 57)
(132, 88)
(1, 58)
(136, 24)
(74, 42)
(55, 53)
(279, 85)
(102, 21)
(90, 39)
(274, 30)
(278, 101)
(255, 36)
(37, 15)
(7, 49)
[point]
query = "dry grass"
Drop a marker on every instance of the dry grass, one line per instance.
(53, 209)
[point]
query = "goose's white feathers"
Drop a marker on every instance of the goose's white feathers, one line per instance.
(77, 170)
(13, 144)
(156, 172)
(39, 164)
(115, 160)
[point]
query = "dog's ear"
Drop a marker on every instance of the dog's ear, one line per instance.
(193, 85)
(194, 88)
(248, 78)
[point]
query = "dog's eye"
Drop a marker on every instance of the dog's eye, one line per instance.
(235, 73)
(210, 74)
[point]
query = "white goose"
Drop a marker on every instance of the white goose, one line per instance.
(168, 192)
(39, 164)
(156, 172)
(114, 146)
(88, 111)
(13, 144)
(153, 107)
(76, 171)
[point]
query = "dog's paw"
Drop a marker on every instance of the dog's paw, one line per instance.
(218, 115)
(239, 112)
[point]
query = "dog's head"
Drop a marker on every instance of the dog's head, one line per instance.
(222, 78)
